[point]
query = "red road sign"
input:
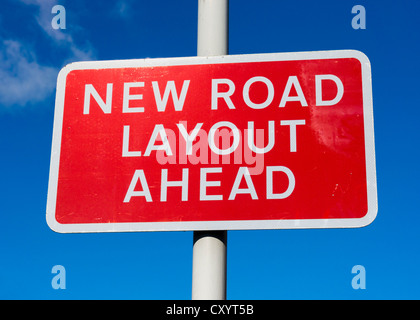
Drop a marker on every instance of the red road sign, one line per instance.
(267, 141)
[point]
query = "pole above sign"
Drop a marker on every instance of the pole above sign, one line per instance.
(262, 141)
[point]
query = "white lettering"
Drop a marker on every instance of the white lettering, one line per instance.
(271, 139)
(138, 175)
(318, 89)
(91, 91)
(126, 142)
(270, 94)
(292, 124)
(236, 137)
(189, 138)
(159, 129)
(243, 173)
(215, 94)
(293, 80)
(204, 184)
(290, 188)
(127, 97)
(165, 184)
(170, 89)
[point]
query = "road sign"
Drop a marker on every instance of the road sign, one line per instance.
(264, 141)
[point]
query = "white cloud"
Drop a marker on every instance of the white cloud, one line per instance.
(123, 9)
(44, 17)
(23, 80)
(61, 38)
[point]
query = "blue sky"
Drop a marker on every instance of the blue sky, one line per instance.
(269, 264)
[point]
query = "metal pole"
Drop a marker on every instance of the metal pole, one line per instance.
(209, 265)
(209, 249)
(213, 25)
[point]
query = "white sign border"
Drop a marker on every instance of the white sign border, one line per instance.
(223, 224)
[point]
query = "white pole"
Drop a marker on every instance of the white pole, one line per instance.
(209, 249)
(213, 25)
(209, 265)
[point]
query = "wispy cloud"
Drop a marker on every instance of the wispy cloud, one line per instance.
(44, 17)
(123, 9)
(24, 79)
(61, 38)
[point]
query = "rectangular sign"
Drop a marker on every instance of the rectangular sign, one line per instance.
(264, 141)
